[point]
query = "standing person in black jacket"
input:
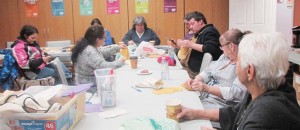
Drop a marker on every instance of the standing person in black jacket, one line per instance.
(207, 41)
(270, 103)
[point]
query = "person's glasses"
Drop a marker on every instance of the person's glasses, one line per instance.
(221, 47)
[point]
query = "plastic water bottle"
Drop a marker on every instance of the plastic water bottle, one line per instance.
(164, 69)
(171, 53)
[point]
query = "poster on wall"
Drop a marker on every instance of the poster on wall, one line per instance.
(86, 7)
(58, 8)
(31, 8)
(169, 6)
(113, 6)
(141, 6)
(290, 3)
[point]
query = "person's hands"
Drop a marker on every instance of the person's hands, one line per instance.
(122, 59)
(200, 86)
(130, 42)
(187, 44)
(179, 43)
(122, 46)
(47, 59)
(170, 44)
(187, 113)
(199, 78)
(189, 83)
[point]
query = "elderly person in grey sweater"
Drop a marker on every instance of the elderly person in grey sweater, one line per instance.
(270, 103)
(87, 55)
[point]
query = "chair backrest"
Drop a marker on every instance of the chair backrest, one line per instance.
(65, 43)
(8, 44)
(60, 71)
(113, 40)
(207, 58)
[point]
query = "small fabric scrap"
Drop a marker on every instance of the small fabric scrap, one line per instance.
(167, 90)
(150, 83)
(186, 87)
(77, 89)
(111, 113)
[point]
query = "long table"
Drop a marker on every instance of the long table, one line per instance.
(145, 103)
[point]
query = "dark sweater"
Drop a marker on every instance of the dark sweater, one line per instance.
(276, 109)
(208, 36)
(148, 35)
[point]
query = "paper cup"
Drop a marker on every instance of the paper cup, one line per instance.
(119, 43)
(152, 43)
(173, 107)
(124, 52)
(133, 62)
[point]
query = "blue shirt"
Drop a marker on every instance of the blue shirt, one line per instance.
(108, 40)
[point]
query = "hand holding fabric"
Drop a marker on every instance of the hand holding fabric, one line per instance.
(199, 86)
(187, 44)
(130, 42)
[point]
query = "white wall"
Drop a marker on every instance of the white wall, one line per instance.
(261, 16)
(284, 19)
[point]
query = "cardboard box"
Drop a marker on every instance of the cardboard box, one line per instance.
(296, 84)
(70, 114)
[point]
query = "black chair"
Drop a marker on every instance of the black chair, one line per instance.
(113, 40)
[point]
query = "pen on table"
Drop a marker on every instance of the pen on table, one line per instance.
(136, 89)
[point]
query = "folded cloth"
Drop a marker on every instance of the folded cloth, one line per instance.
(167, 90)
(150, 83)
(111, 113)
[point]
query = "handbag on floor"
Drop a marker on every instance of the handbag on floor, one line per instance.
(24, 83)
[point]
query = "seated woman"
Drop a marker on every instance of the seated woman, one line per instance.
(218, 84)
(34, 63)
(88, 55)
(140, 32)
(270, 103)
(108, 39)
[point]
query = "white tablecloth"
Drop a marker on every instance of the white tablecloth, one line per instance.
(144, 103)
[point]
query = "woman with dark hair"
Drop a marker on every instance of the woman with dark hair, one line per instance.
(140, 32)
(88, 55)
(34, 63)
(108, 39)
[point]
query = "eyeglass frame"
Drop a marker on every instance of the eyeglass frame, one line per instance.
(221, 47)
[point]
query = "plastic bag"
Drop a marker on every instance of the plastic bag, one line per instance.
(146, 48)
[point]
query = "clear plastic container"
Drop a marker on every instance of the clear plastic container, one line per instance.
(106, 86)
(164, 69)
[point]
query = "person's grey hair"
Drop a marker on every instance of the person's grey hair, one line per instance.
(139, 20)
(233, 36)
(268, 53)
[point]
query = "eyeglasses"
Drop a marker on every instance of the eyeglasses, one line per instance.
(221, 47)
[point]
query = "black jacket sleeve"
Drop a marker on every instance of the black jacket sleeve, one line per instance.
(211, 44)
